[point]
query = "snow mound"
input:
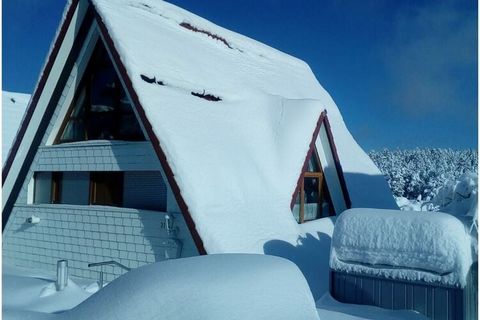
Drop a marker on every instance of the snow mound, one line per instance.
(430, 246)
(13, 108)
(236, 286)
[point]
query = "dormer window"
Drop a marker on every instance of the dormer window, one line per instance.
(101, 109)
(313, 199)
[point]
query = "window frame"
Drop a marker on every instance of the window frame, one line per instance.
(322, 189)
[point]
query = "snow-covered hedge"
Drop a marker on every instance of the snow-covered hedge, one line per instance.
(422, 172)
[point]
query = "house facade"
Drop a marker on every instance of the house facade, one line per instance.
(137, 154)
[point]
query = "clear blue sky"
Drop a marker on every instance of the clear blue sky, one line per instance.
(403, 73)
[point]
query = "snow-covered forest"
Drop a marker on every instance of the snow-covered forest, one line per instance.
(430, 179)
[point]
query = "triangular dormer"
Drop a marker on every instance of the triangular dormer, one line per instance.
(313, 199)
(321, 190)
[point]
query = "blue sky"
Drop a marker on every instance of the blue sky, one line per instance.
(403, 73)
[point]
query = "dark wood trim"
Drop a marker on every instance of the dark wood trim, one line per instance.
(338, 166)
(56, 187)
(323, 119)
(39, 89)
(151, 135)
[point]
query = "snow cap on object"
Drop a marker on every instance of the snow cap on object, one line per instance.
(237, 155)
(263, 287)
(417, 246)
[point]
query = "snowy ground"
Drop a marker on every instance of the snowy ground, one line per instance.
(33, 290)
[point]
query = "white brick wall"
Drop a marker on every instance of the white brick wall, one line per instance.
(145, 190)
(86, 234)
(98, 156)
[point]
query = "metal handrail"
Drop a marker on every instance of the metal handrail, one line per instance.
(106, 263)
(111, 262)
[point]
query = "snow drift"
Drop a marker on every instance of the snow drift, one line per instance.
(211, 287)
(430, 246)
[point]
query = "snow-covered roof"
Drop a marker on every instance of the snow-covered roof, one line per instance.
(237, 160)
(13, 108)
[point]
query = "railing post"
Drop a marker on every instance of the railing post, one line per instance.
(62, 274)
(100, 282)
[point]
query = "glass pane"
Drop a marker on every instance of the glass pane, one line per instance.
(107, 188)
(326, 209)
(74, 131)
(313, 165)
(43, 187)
(101, 126)
(75, 188)
(296, 208)
(129, 129)
(75, 128)
(311, 198)
(104, 88)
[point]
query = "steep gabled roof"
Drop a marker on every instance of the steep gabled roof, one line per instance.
(236, 161)
(231, 120)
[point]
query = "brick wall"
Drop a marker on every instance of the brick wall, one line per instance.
(86, 234)
(98, 156)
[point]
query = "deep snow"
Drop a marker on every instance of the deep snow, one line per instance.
(205, 287)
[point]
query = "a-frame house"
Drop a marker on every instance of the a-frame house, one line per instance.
(154, 134)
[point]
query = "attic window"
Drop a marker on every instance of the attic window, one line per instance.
(313, 199)
(101, 109)
(188, 26)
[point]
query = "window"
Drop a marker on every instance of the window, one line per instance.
(106, 188)
(313, 199)
(101, 109)
(131, 189)
(47, 187)
(79, 188)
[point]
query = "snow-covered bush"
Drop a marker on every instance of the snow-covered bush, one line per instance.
(459, 197)
(420, 173)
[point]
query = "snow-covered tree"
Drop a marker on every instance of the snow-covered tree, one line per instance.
(420, 173)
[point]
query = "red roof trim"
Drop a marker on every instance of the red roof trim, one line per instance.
(323, 119)
(151, 134)
(36, 95)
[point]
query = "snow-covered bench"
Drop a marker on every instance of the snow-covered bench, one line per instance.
(405, 260)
